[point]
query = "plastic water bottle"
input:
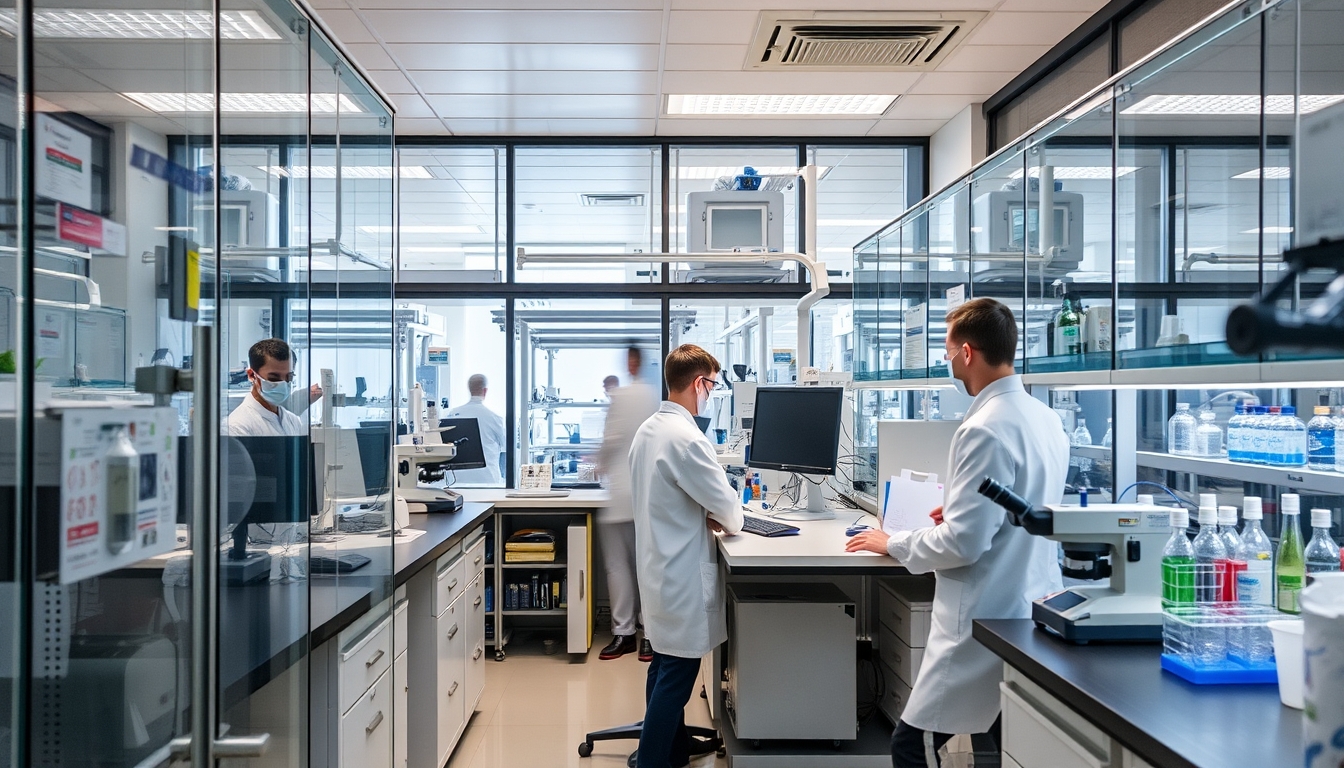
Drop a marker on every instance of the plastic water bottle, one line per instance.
(1107, 439)
(1295, 435)
(1178, 563)
(1181, 431)
(1256, 583)
(1210, 639)
(1081, 436)
(1321, 440)
(1276, 438)
(1290, 570)
(1257, 432)
(1322, 554)
(1236, 428)
(1232, 564)
(1208, 436)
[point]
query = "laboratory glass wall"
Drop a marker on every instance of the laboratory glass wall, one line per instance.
(452, 211)
(139, 266)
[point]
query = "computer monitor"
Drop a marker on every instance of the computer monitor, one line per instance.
(797, 429)
(375, 457)
(466, 435)
(283, 490)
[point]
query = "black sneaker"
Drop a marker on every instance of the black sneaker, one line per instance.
(645, 650)
(619, 646)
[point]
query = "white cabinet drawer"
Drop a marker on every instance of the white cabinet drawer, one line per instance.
(363, 659)
(1035, 738)
(450, 581)
(452, 691)
(899, 656)
(896, 693)
(902, 607)
(401, 710)
(366, 730)
(475, 644)
(474, 558)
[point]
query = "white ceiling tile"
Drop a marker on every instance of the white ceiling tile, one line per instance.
(548, 127)
(411, 105)
(346, 26)
(907, 128)
(706, 57)
(894, 83)
(411, 126)
(1029, 28)
(439, 26)
(993, 58)
(669, 126)
(547, 106)
(968, 83)
(535, 81)
(391, 81)
(526, 57)
(320, 5)
(370, 56)
(849, 5)
(922, 107)
(712, 27)
(501, 5)
(1082, 6)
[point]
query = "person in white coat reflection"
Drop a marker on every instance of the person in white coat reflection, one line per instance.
(986, 568)
(262, 413)
(630, 406)
(681, 496)
(492, 434)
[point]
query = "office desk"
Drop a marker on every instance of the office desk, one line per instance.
(817, 553)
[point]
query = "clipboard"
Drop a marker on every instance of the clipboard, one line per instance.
(908, 501)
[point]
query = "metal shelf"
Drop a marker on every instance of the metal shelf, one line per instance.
(1098, 452)
(551, 612)
(1301, 478)
(535, 566)
(557, 406)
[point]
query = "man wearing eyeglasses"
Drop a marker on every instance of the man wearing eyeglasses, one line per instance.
(986, 568)
(262, 413)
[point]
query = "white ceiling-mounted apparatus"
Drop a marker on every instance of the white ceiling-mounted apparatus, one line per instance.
(908, 41)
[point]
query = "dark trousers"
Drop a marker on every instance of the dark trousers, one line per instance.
(907, 745)
(663, 741)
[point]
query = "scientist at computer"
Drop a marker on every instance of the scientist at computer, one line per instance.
(986, 568)
(492, 434)
(270, 368)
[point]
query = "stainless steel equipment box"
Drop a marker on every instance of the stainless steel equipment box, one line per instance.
(791, 662)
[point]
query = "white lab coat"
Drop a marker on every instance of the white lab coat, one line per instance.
(492, 442)
(676, 483)
(630, 406)
(252, 419)
(986, 567)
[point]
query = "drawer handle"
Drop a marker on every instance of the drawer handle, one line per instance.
(477, 561)
(897, 657)
(452, 632)
(453, 690)
(477, 654)
(582, 584)
(376, 657)
(477, 602)
(373, 726)
(452, 585)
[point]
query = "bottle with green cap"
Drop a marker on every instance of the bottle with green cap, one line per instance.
(1178, 563)
(1291, 569)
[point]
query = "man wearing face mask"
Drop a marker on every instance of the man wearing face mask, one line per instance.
(986, 568)
(262, 413)
(681, 496)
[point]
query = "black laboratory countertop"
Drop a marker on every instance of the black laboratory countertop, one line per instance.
(1163, 719)
(264, 627)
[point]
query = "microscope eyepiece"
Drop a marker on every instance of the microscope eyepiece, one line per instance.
(1040, 522)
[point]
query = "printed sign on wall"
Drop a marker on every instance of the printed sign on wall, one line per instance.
(64, 163)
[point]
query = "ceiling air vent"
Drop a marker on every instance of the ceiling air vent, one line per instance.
(618, 200)
(826, 40)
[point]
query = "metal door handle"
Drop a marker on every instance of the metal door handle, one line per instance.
(477, 602)
(242, 747)
(375, 658)
(477, 654)
(452, 631)
(582, 584)
(373, 726)
(453, 690)
(452, 585)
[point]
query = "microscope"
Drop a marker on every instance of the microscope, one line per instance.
(1120, 541)
(422, 457)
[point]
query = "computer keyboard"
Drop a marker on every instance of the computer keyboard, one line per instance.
(767, 528)
(328, 566)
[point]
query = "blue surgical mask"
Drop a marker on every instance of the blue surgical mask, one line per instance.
(275, 392)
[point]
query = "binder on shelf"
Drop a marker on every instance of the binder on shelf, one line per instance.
(545, 596)
(536, 593)
(525, 597)
(511, 602)
(555, 595)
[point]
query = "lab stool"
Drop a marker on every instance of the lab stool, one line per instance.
(703, 740)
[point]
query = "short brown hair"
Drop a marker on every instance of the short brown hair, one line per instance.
(988, 326)
(268, 349)
(686, 363)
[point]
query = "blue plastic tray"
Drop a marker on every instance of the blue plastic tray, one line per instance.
(1226, 673)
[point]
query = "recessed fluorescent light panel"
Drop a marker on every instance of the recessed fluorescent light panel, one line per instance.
(1076, 172)
(715, 171)
(434, 229)
(347, 172)
(93, 24)
(838, 105)
(1272, 172)
(244, 102)
(1281, 104)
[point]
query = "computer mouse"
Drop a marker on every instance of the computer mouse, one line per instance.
(855, 530)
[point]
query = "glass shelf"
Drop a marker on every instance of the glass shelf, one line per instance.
(1185, 355)
(1090, 361)
(1300, 478)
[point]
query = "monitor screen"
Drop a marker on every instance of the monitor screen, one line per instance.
(466, 435)
(796, 429)
(735, 227)
(285, 490)
(375, 457)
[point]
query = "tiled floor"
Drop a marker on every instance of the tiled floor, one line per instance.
(537, 708)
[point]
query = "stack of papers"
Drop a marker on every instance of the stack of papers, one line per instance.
(530, 545)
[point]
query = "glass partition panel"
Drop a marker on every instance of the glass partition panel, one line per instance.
(1184, 122)
(452, 212)
(998, 242)
(698, 171)
(594, 201)
(867, 288)
(859, 190)
(890, 312)
(914, 309)
(1069, 249)
(949, 267)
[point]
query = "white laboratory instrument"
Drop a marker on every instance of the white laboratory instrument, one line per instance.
(421, 456)
(1122, 541)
